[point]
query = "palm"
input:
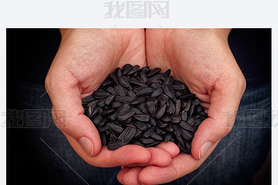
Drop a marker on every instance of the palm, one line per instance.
(95, 54)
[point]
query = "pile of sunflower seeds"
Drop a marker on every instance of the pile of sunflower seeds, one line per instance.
(144, 107)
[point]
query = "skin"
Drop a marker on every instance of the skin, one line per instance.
(203, 60)
(84, 59)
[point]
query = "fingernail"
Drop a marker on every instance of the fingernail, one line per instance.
(87, 145)
(204, 149)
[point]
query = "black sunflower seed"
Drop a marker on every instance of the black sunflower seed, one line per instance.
(126, 68)
(138, 100)
(124, 81)
(144, 92)
(113, 145)
(112, 117)
(124, 99)
(154, 71)
(184, 115)
(198, 122)
(140, 125)
(133, 70)
(159, 131)
(156, 85)
(87, 99)
(179, 139)
(178, 106)
(135, 142)
(102, 128)
(188, 105)
(169, 128)
(152, 121)
(103, 138)
(107, 112)
(143, 77)
(89, 110)
(142, 117)
(168, 81)
(122, 116)
(111, 90)
(152, 144)
(168, 91)
(120, 90)
(116, 104)
(109, 99)
(131, 94)
(102, 122)
(187, 96)
(151, 107)
(157, 92)
(196, 101)
(147, 140)
(143, 108)
(166, 118)
(97, 119)
(118, 72)
(178, 87)
(127, 134)
(199, 109)
(175, 118)
(115, 128)
(177, 130)
(123, 107)
(191, 120)
(166, 74)
(137, 81)
(161, 124)
(99, 94)
(107, 82)
(160, 111)
(186, 126)
(167, 137)
(170, 109)
(138, 133)
(94, 114)
(186, 134)
(114, 78)
(148, 132)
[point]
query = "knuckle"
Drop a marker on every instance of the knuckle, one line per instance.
(59, 118)
(226, 130)
(242, 83)
(47, 82)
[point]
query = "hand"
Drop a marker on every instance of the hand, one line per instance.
(84, 60)
(202, 59)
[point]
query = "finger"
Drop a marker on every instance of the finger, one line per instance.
(159, 157)
(169, 147)
(221, 113)
(121, 174)
(181, 165)
(130, 177)
(123, 156)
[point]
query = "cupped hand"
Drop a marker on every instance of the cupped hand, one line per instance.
(203, 60)
(84, 59)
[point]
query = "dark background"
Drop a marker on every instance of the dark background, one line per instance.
(29, 56)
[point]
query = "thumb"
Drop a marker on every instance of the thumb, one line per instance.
(67, 111)
(224, 103)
